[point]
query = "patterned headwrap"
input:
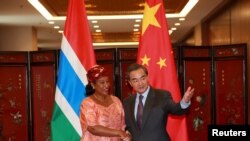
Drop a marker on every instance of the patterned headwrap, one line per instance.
(95, 73)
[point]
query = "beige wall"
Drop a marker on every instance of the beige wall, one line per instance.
(232, 25)
(17, 38)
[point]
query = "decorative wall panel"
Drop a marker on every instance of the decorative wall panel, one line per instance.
(197, 70)
(218, 74)
(125, 58)
(198, 75)
(14, 104)
(230, 84)
(229, 92)
(43, 82)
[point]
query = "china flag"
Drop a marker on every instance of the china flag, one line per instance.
(155, 52)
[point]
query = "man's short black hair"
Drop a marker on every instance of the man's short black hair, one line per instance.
(134, 67)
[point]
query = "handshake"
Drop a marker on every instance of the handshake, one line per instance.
(125, 136)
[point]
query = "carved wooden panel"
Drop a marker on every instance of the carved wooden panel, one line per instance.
(43, 82)
(14, 104)
(218, 74)
(126, 57)
(229, 92)
(198, 76)
(230, 84)
(197, 64)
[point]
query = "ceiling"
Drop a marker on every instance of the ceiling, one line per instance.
(22, 13)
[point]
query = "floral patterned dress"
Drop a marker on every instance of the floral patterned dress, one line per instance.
(96, 114)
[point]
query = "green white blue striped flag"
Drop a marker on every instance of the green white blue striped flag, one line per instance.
(76, 56)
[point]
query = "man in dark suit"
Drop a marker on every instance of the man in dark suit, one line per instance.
(146, 117)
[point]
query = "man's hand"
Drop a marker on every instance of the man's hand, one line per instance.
(128, 137)
(188, 94)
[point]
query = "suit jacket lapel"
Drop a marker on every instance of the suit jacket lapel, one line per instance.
(148, 105)
(132, 111)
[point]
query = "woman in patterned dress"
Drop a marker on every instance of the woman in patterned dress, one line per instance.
(102, 114)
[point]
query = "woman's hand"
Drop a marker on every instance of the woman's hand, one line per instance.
(128, 137)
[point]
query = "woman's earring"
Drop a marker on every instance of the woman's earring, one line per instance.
(93, 86)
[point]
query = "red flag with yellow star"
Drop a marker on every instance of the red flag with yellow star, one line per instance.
(155, 52)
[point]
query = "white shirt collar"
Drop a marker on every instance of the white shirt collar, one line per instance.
(145, 94)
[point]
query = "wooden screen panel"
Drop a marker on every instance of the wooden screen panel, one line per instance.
(13, 57)
(14, 113)
(110, 69)
(198, 76)
(229, 51)
(105, 54)
(126, 56)
(126, 89)
(43, 57)
(229, 92)
(196, 51)
(43, 71)
(176, 57)
(43, 95)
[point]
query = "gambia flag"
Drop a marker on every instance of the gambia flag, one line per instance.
(155, 52)
(76, 57)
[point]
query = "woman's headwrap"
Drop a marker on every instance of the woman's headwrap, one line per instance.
(95, 73)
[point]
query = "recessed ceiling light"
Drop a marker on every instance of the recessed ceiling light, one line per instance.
(98, 30)
(94, 21)
(60, 31)
(56, 27)
(173, 28)
(177, 24)
(138, 20)
(136, 25)
(96, 26)
(136, 29)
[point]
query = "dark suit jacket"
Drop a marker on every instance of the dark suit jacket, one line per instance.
(158, 105)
